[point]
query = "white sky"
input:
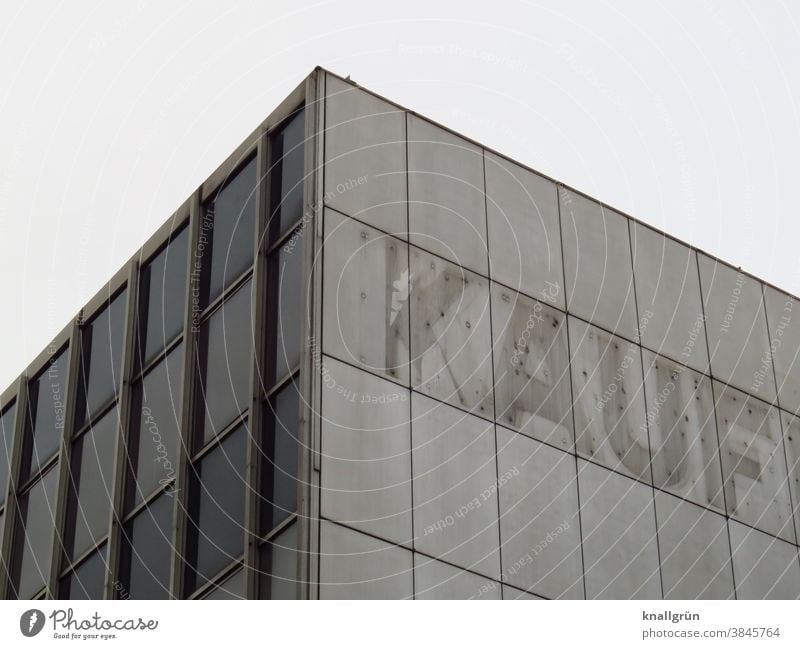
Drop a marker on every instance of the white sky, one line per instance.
(684, 114)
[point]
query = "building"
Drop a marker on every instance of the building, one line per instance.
(369, 358)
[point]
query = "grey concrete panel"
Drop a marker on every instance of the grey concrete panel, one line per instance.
(683, 432)
(610, 420)
(524, 232)
(597, 264)
(509, 592)
(365, 157)
(356, 566)
(365, 297)
(447, 206)
(783, 318)
(450, 334)
(753, 462)
(737, 328)
(695, 553)
(619, 536)
(791, 440)
(539, 525)
(455, 486)
(436, 580)
(668, 296)
(764, 567)
(366, 452)
(531, 368)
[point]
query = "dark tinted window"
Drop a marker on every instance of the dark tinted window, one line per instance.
(157, 413)
(225, 368)
(6, 440)
(230, 588)
(162, 297)
(87, 581)
(37, 509)
(92, 475)
(280, 456)
(148, 551)
(216, 534)
(287, 283)
(231, 236)
(46, 402)
(279, 565)
(286, 189)
(101, 358)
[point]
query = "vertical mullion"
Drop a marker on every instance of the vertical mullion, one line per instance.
(311, 378)
(259, 301)
(12, 506)
(63, 490)
(194, 262)
(127, 369)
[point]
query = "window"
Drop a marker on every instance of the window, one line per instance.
(6, 440)
(147, 552)
(225, 368)
(287, 285)
(216, 509)
(162, 290)
(156, 408)
(36, 513)
(279, 565)
(286, 187)
(279, 455)
(229, 228)
(47, 395)
(101, 361)
(87, 581)
(230, 588)
(91, 486)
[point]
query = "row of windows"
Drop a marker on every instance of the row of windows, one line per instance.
(144, 470)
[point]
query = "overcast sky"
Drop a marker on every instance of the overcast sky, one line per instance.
(684, 114)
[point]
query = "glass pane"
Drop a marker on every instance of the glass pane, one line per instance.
(232, 232)
(531, 370)
(366, 297)
(225, 369)
(784, 332)
(37, 510)
(231, 588)
(736, 324)
(102, 358)
(286, 191)
(46, 410)
(87, 581)
(610, 420)
(279, 455)
(157, 408)
(216, 534)
(162, 291)
(92, 473)
(753, 462)
(683, 435)
(668, 292)
(7, 434)
(451, 340)
(148, 552)
(279, 565)
(597, 264)
(2, 529)
(287, 280)
(524, 236)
